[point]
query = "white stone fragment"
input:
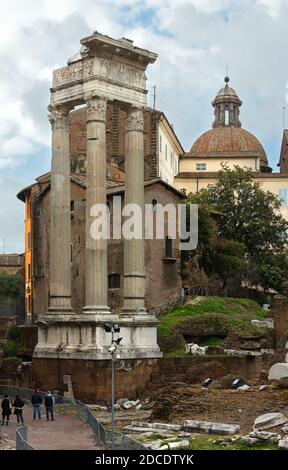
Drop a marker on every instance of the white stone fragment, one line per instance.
(278, 371)
(269, 420)
(207, 427)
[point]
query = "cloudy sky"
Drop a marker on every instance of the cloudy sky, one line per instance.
(195, 40)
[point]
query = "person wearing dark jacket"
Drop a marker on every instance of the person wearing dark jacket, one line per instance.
(36, 401)
(6, 410)
(49, 404)
(18, 411)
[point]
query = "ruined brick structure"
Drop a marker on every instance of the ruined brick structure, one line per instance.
(115, 139)
(163, 277)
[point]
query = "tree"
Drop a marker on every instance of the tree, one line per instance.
(11, 285)
(251, 217)
(215, 255)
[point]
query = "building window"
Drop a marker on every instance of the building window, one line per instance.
(200, 166)
(72, 206)
(154, 204)
(166, 152)
(160, 142)
(168, 247)
(29, 271)
(226, 117)
(283, 196)
(114, 281)
(29, 241)
(171, 159)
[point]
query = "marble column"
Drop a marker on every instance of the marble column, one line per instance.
(96, 249)
(60, 217)
(134, 249)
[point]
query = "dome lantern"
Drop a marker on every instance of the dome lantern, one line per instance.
(226, 107)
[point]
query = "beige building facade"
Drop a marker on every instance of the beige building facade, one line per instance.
(227, 143)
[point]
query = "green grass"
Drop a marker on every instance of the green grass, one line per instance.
(239, 313)
(212, 443)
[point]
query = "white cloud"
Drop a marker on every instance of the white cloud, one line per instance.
(273, 6)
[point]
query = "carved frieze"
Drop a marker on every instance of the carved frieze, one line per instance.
(67, 75)
(119, 72)
(135, 120)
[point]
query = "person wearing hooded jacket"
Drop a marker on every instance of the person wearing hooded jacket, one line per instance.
(49, 404)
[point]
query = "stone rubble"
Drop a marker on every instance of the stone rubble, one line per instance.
(269, 420)
(285, 429)
(175, 445)
(207, 427)
(283, 444)
(278, 372)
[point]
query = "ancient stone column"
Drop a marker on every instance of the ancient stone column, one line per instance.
(60, 222)
(134, 255)
(96, 249)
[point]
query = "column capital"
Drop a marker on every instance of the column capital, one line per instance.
(135, 119)
(96, 108)
(59, 116)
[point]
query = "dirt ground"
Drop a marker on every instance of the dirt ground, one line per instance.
(176, 402)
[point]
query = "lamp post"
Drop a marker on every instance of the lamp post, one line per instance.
(112, 350)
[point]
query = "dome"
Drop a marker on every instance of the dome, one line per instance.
(227, 137)
(230, 140)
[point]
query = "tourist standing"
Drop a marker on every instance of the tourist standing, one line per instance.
(18, 409)
(49, 404)
(6, 410)
(36, 401)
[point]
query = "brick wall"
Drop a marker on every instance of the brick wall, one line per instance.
(115, 139)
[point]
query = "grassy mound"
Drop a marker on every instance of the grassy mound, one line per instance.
(210, 321)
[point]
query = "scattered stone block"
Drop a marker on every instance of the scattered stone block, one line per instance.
(285, 429)
(270, 437)
(166, 426)
(269, 420)
(127, 405)
(207, 427)
(244, 388)
(278, 371)
(263, 387)
(283, 444)
(175, 445)
(249, 441)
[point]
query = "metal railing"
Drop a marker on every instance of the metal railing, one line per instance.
(21, 439)
(82, 412)
(17, 433)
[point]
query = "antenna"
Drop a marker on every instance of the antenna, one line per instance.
(284, 109)
(154, 96)
(226, 70)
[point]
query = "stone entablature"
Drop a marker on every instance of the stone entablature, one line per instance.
(115, 68)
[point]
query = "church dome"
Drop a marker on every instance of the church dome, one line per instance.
(227, 138)
(230, 141)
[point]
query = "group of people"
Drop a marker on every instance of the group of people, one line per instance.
(8, 404)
